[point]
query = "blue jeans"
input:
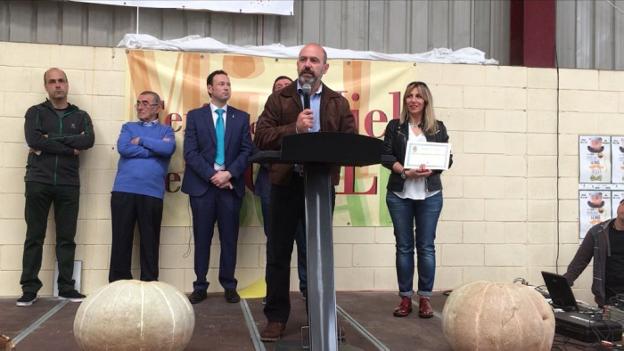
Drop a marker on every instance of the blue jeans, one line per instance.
(424, 213)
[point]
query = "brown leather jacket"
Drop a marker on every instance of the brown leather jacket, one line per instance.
(280, 116)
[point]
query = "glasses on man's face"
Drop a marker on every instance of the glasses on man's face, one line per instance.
(144, 104)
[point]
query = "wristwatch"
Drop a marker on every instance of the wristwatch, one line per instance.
(403, 174)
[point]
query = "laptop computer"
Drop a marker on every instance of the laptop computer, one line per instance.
(578, 323)
(560, 292)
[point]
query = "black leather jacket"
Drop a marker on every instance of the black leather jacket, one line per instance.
(395, 144)
(595, 245)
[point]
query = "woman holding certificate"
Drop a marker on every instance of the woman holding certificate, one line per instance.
(416, 150)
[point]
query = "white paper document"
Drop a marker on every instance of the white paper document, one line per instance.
(434, 156)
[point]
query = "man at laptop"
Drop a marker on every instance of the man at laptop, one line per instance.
(604, 242)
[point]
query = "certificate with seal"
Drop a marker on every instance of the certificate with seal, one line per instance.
(434, 156)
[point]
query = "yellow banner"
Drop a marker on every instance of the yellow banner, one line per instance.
(373, 89)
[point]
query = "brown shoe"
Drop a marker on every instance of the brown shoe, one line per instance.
(273, 331)
(424, 308)
(404, 308)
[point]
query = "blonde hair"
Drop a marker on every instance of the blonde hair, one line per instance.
(428, 124)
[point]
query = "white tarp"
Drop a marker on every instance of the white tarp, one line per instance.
(272, 7)
(206, 44)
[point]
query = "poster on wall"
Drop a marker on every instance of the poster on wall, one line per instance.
(595, 159)
(617, 159)
(616, 197)
(594, 207)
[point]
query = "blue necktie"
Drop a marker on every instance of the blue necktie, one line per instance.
(220, 138)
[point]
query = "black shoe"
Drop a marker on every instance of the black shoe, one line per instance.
(198, 296)
(231, 296)
(71, 295)
(27, 299)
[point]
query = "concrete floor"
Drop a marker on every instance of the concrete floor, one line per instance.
(366, 318)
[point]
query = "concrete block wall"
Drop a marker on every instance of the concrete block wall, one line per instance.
(591, 102)
(510, 196)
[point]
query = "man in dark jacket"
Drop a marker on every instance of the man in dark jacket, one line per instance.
(56, 132)
(217, 144)
(604, 242)
(284, 115)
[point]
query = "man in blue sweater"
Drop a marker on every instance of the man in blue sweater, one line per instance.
(145, 148)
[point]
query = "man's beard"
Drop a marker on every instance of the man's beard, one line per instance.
(310, 80)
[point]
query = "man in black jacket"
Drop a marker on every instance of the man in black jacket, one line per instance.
(604, 242)
(56, 132)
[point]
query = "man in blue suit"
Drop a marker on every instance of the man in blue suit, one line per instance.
(217, 145)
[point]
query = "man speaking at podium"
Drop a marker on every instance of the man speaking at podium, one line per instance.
(305, 107)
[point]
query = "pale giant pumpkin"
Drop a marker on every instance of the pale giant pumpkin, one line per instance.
(498, 316)
(134, 315)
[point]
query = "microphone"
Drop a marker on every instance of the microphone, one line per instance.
(307, 89)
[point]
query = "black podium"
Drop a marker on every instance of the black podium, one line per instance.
(318, 153)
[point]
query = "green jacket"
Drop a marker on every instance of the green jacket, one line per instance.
(52, 140)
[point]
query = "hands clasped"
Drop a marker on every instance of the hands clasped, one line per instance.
(420, 172)
(221, 179)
